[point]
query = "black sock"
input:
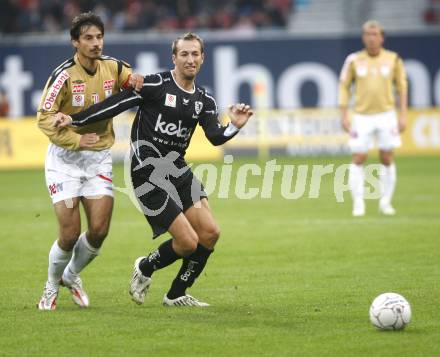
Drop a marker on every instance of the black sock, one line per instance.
(191, 268)
(159, 258)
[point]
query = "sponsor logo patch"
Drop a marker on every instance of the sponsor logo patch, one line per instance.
(385, 70)
(78, 100)
(55, 188)
(108, 84)
(95, 98)
(78, 88)
(170, 100)
(54, 90)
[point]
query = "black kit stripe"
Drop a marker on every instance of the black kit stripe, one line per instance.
(67, 64)
(119, 62)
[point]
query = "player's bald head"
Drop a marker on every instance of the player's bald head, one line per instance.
(370, 24)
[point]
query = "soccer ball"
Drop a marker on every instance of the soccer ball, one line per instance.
(390, 311)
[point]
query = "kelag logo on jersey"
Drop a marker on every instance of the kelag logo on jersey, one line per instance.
(172, 129)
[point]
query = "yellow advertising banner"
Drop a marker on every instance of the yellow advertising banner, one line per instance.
(422, 135)
(319, 132)
(23, 145)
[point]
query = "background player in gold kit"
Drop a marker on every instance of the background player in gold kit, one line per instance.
(375, 72)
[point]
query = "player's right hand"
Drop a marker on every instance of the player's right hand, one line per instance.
(61, 120)
(88, 140)
(346, 125)
(345, 122)
(136, 81)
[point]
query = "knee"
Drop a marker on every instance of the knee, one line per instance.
(98, 232)
(387, 161)
(68, 237)
(386, 157)
(358, 160)
(211, 235)
(188, 246)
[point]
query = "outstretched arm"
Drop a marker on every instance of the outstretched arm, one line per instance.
(108, 108)
(218, 134)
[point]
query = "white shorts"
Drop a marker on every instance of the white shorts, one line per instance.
(366, 129)
(72, 174)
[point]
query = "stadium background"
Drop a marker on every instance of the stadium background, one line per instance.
(275, 64)
(289, 277)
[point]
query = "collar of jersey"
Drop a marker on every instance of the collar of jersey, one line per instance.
(84, 68)
(186, 91)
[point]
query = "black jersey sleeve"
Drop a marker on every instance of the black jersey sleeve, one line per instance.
(108, 108)
(216, 133)
(152, 83)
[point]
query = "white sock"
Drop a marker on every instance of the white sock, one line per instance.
(58, 259)
(387, 182)
(83, 254)
(356, 181)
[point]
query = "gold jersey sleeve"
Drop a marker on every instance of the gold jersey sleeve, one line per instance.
(373, 80)
(71, 89)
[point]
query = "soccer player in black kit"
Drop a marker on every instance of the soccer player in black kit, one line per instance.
(172, 199)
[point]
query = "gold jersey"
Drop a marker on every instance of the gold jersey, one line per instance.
(71, 89)
(374, 79)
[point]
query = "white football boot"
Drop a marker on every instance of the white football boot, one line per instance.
(358, 208)
(74, 284)
(139, 284)
(185, 300)
(386, 208)
(49, 299)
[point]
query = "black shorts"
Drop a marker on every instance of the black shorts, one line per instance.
(160, 205)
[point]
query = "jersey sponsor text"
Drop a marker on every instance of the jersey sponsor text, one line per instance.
(54, 90)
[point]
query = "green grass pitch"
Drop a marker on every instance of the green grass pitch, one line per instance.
(289, 277)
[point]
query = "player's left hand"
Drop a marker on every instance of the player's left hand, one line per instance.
(239, 114)
(136, 81)
(62, 120)
(402, 124)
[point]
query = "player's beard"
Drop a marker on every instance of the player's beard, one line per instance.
(94, 54)
(190, 76)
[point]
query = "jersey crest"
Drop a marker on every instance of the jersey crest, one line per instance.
(198, 107)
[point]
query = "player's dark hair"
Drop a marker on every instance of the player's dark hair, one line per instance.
(83, 21)
(190, 36)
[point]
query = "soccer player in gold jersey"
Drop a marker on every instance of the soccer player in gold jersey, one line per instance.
(375, 73)
(78, 163)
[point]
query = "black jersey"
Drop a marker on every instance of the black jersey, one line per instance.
(166, 118)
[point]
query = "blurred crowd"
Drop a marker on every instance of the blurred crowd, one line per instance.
(432, 13)
(22, 16)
